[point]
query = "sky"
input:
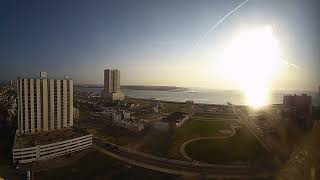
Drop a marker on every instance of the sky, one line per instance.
(151, 41)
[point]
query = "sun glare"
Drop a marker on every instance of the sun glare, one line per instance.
(252, 60)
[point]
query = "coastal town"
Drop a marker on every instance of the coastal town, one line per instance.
(171, 134)
(160, 90)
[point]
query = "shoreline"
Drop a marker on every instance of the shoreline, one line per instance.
(137, 87)
(205, 98)
(184, 102)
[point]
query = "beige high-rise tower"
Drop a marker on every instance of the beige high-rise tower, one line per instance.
(112, 85)
(44, 104)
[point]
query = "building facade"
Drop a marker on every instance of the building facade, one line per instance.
(297, 111)
(44, 104)
(76, 113)
(302, 104)
(174, 120)
(122, 119)
(47, 151)
(111, 88)
(111, 80)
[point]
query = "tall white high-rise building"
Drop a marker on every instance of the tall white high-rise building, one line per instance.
(111, 80)
(44, 104)
(112, 85)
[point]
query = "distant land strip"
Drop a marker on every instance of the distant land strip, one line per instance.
(137, 87)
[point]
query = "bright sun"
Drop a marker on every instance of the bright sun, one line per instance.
(252, 60)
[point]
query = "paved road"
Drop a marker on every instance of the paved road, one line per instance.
(254, 129)
(211, 119)
(177, 167)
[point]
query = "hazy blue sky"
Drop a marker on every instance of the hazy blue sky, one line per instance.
(150, 41)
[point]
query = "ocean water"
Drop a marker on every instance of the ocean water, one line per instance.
(205, 96)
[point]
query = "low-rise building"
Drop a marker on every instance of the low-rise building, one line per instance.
(157, 107)
(122, 119)
(76, 113)
(174, 120)
(135, 127)
(43, 146)
(122, 115)
(107, 112)
(177, 118)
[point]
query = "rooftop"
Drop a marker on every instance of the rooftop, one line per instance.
(23, 141)
(33, 77)
(43, 75)
(175, 116)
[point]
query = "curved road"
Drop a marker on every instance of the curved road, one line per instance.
(177, 167)
(213, 119)
(183, 146)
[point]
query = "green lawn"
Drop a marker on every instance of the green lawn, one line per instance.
(241, 147)
(196, 128)
(167, 144)
(97, 166)
(116, 135)
(158, 144)
(141, 102)
(215, 119)
(171, 107)
(216, 115)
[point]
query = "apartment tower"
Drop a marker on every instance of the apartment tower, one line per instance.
(111, 80)
(44, 104)
(112, 85)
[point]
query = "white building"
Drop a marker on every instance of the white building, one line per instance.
(112, 85)
(126, 115)
(44, 104)
(176, 120)
(76, 113)
(123, 119)
(135, 127)
(47, 151)
(107, 111)
(122, 115)
(180, 122)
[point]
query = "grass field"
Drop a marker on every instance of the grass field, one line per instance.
(171, 107)
(216, 115)
(195, 128)
(241, 147)
(96, 166)
(141, 102)
(167, 144)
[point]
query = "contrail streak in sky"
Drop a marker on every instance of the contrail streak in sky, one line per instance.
(290, 64)
(217, 24)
